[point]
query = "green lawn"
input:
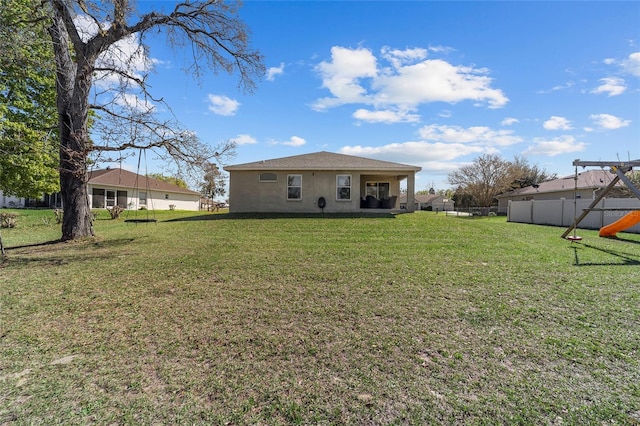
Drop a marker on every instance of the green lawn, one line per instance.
(414, 319)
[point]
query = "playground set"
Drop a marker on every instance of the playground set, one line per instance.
(619, 169)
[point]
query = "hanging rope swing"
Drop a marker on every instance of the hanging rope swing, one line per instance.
(148, 196)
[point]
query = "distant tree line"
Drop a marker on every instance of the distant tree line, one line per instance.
(489, 175)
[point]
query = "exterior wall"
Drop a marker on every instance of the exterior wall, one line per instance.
(563, 212)
(247, 194)
(10, 202)
(155, 200)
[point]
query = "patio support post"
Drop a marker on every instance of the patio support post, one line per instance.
(411, 192)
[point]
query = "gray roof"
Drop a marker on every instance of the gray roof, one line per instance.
(591, 179)
(324, 161)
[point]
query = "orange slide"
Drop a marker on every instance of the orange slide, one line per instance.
(626, 221)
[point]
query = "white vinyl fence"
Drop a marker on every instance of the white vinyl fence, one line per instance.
(561, 212)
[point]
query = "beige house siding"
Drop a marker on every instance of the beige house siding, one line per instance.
(248, 194)
(319, 172)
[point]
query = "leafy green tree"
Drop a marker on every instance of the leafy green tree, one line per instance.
(85, 39)
(29, 140)
(169, 179)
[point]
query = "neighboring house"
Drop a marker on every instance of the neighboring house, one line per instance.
(109, 187)
(322, 181)
(588, 185)
(432, 202)
(7, 201)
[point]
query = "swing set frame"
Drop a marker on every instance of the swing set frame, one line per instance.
(619, 168)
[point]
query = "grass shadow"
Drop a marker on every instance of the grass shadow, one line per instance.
(260, 216)
(626, 258)
(53, 260)
(43, 244)
(25, 260)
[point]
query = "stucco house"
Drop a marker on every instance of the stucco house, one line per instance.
(433, 202)
(588, 184)
(109, 187)
(318, 182)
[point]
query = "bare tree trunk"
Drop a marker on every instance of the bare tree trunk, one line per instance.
(218, 38)
(73, 107)
(76, 220)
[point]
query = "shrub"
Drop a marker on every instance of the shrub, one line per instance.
(58, 213)
(8, 220)
(115, 211)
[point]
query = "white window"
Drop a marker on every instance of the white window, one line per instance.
(294, 187)
(142, 198)
(268, 177)
(343, 187)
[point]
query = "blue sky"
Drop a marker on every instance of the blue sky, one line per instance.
(427, 83)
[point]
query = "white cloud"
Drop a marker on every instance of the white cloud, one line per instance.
(387, 116)
(398, 57)
(556, 146)
(294, 141)
(557, 123)
(608, 121)
(223, 105)
(436, 80)
(509, 121)
(441, 49)
(413, 152)
(476, 135)
(439, 147)
(274, 71)
(354, 76)
(244, 139)
(343, 74)
(612, 86)
(567, 85)
(632, 64)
